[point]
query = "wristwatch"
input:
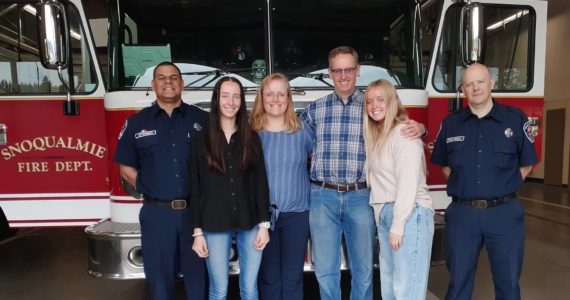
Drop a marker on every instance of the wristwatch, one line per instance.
(265, 225)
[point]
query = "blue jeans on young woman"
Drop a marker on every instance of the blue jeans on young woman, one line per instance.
(404, 273)
(333, 215)
(219, 246)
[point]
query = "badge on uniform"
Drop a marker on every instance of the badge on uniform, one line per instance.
(452, 139)
(197, 127)
(144, 133)
(508, 133)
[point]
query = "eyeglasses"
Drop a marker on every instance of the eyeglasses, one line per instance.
(272, 94)
(347, 71)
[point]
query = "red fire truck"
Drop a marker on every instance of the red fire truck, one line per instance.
(63, 100)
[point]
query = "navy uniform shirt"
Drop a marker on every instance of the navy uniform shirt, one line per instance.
(484, 154)
(158, 146)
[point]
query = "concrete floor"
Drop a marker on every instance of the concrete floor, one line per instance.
(51, 263)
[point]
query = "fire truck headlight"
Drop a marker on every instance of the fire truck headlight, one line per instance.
(134, 257)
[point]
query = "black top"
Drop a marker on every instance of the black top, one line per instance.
(158, 146)
(229, 201)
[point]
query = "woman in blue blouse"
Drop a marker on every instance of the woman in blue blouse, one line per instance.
(286, 147)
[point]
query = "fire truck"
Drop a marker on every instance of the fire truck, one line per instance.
(63, 101)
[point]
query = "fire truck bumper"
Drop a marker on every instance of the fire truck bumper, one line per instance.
(114, 250)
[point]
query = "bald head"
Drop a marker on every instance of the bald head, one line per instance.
(477, 69)
(477, 85)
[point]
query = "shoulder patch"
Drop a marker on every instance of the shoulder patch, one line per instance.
(530, 130)
(123, 130)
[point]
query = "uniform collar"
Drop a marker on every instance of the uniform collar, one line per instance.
(496, 113)
(352, 97)
(156, 109)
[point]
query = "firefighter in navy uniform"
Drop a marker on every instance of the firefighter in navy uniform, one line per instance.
(486, 150)
(153, 154)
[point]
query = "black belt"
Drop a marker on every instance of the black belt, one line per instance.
(484, 203)
(174, 204)
(342, 188)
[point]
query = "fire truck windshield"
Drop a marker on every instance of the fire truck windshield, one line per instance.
(249, 39)
(382, 32)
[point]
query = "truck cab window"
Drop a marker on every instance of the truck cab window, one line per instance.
(21, 71)
(508, 52)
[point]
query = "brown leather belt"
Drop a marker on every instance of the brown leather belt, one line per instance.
(175, 204)
(484, 203)
(342, 188)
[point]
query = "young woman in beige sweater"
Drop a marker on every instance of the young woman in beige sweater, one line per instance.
(396, 171)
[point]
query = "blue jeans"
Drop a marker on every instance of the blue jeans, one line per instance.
(219, 246)
(333, 215)
(404, 273)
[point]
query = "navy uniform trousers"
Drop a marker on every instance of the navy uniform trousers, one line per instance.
(167, 250)
(501, 230)
(281, 270)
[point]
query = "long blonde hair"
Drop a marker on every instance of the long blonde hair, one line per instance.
(376, 133)
(257, 116)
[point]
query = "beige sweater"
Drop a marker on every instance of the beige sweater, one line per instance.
(396, 174)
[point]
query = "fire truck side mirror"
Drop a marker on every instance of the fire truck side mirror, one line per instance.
(472, 31)
(54, 44)
(52, 32)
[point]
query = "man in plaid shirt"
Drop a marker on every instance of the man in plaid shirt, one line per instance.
(339, 192)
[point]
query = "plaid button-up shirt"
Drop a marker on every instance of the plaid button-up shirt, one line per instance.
(338, 154)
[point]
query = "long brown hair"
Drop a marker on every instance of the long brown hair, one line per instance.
(215, 138)
(257, 116)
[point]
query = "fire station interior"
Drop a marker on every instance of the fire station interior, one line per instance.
(50, 263)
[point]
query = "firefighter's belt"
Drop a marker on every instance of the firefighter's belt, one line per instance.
(174, 204)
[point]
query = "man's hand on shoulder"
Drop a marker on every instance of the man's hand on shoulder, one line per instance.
(413, 130)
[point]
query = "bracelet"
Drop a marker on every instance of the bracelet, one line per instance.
(198, 234)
